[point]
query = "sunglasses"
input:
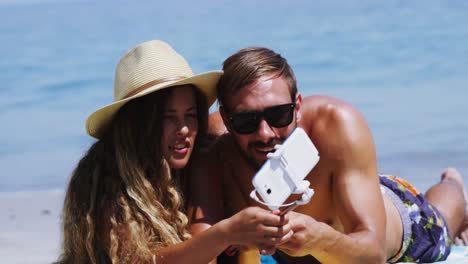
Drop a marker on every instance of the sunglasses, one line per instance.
(247, 122)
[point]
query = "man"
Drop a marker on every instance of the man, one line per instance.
(350, 218)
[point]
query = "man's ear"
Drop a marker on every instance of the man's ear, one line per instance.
(225, 118)
(298, 108)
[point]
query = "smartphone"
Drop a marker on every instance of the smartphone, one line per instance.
(289, 164)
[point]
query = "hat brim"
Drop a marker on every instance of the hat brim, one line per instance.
(101, 118)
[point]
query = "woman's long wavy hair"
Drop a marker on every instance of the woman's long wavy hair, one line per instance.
(122, 203)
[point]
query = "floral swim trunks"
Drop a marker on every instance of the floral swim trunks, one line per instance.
(425, 233)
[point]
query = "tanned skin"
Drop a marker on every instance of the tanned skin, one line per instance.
(348, 220)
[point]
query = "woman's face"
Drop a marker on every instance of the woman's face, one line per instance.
(180, 126)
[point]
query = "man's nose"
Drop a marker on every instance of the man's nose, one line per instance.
(264, 131)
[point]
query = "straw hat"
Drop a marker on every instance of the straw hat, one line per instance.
(149, 67)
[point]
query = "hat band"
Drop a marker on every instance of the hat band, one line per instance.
(151, 84)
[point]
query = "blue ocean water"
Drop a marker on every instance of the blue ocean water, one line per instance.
(404, 64)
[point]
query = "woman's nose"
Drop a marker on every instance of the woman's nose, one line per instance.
(183, 130)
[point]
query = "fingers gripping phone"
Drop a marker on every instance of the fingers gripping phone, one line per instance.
(284, 172)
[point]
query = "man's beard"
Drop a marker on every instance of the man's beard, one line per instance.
(252, 145)
(254, 163)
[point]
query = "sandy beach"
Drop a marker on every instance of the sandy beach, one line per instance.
(30, 226)
(403, 64)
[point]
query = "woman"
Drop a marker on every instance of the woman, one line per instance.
(124, 202)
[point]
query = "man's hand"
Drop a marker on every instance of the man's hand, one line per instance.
(256, 227)
(305, 237)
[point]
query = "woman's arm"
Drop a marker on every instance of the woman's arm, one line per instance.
(252, 227)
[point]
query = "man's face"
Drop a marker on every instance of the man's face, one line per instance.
(257, 97)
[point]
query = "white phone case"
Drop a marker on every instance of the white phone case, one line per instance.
(285, 168)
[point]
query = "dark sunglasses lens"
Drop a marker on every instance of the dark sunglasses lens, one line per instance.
(279, 116)
(245, 123)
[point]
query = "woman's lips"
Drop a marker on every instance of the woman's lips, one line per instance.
(180, 148)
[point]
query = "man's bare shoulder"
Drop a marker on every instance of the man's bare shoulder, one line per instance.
(320, 107)
(216, 126)
(326, 110)
(332, 123)
(214, 149)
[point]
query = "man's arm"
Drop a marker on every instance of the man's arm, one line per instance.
(205, 207)
(348, 149)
